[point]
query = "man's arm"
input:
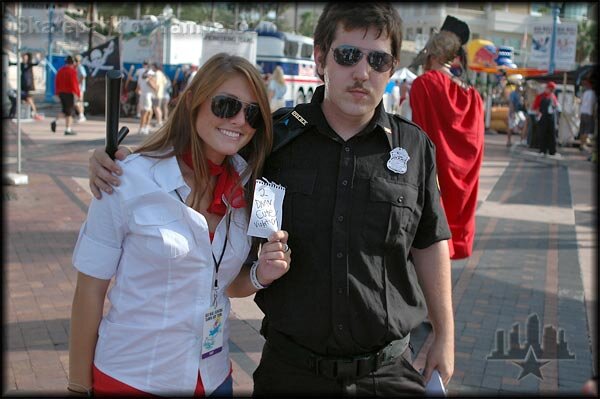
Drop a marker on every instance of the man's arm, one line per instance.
(102, 170)
(432, 265)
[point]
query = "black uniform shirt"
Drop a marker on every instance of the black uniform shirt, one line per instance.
(351, 287)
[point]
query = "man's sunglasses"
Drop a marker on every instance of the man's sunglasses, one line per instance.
(224, 106)
(350, 55)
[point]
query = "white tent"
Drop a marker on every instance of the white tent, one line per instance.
(404, 73)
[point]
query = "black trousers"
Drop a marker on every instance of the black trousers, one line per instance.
(277, 376)
(547, 135)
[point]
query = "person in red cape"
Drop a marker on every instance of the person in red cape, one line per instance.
(173, 237)
(452, 114)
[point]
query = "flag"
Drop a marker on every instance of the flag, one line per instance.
(102, 58)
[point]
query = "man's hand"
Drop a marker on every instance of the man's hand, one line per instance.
(102, 171)
(441, 357)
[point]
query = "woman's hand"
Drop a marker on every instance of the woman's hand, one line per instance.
(274, 258)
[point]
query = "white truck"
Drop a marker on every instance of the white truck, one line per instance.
(175, 43)
(294, 53)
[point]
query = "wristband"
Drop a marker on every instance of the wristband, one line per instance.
(254, 279)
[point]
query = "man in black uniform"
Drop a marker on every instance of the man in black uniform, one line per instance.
(364, 219)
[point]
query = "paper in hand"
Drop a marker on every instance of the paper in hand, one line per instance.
(266, 209)
(435, 386)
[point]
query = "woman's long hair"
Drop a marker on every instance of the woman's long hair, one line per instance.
(179, 131)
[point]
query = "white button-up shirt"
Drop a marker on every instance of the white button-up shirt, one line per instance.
(160, 253)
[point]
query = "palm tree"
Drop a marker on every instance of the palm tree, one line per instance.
(587, 48)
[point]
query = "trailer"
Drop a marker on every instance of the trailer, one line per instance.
(174, 43)
(294, 53)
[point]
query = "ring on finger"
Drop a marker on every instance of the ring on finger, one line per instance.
(286, 248)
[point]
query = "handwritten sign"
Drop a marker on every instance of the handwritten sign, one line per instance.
(266, 209)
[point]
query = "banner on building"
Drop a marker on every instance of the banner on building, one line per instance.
(564, 49)
(102, 58)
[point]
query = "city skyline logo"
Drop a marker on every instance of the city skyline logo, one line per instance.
(534, 354)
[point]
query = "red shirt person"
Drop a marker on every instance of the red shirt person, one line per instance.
(66, 86)
(546, 106)
(452, 115)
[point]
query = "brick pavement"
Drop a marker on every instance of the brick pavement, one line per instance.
(534, 254)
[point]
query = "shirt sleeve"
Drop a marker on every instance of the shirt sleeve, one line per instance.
(99, 246)
(433, 226)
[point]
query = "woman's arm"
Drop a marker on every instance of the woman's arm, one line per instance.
(274, 262)
(86, 313)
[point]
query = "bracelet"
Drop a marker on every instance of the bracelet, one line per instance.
(254, 278)
(86, 391)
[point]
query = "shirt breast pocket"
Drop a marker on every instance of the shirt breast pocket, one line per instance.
(163, 231)
(299, 204)
(392, 210)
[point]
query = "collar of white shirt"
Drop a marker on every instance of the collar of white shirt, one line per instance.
(168, 175)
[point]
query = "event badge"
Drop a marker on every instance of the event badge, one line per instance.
(265, 217)
(398, 160)
(212, 336)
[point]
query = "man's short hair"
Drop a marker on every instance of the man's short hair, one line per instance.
(69, 60)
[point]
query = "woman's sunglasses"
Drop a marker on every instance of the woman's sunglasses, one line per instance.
(224, 106)
(350, 55)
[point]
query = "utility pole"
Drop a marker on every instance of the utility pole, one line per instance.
(552, 65)
(16, 179)
(91, 20)
(49, 74)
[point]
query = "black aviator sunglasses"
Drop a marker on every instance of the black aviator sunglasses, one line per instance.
(380, 61)
(225, 106)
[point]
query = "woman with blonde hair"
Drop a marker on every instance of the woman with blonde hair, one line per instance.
(174, 238)
(277, 89)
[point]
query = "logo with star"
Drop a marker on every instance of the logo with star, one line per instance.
(534, 354)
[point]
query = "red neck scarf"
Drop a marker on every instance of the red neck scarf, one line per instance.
(226, 181)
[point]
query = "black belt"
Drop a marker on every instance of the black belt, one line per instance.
(335, 368)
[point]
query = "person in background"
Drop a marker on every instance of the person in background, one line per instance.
(404, 91)
(339, 321)
(276, 89)
(66, 87)
(516, 110)
(28, 82)
(396, 97)
(146, 88)
(456, 128)
(136, 78)
(160, 80)
(81, 76)
(587, 109)
(174, 237)
(546, 107)
(191, 73)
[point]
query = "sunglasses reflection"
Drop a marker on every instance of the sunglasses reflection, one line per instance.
(226, 106)
(380, 61)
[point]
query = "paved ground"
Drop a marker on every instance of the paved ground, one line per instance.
(535, 255)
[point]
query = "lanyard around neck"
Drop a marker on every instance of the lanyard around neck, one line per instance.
(217, 263)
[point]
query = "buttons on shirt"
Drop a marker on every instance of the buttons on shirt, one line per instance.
(340, 255)
(340, 327)
(344, 182)
(340, 218)
(401, 199)
(347, 149)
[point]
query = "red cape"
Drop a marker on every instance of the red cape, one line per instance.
(453, 118)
